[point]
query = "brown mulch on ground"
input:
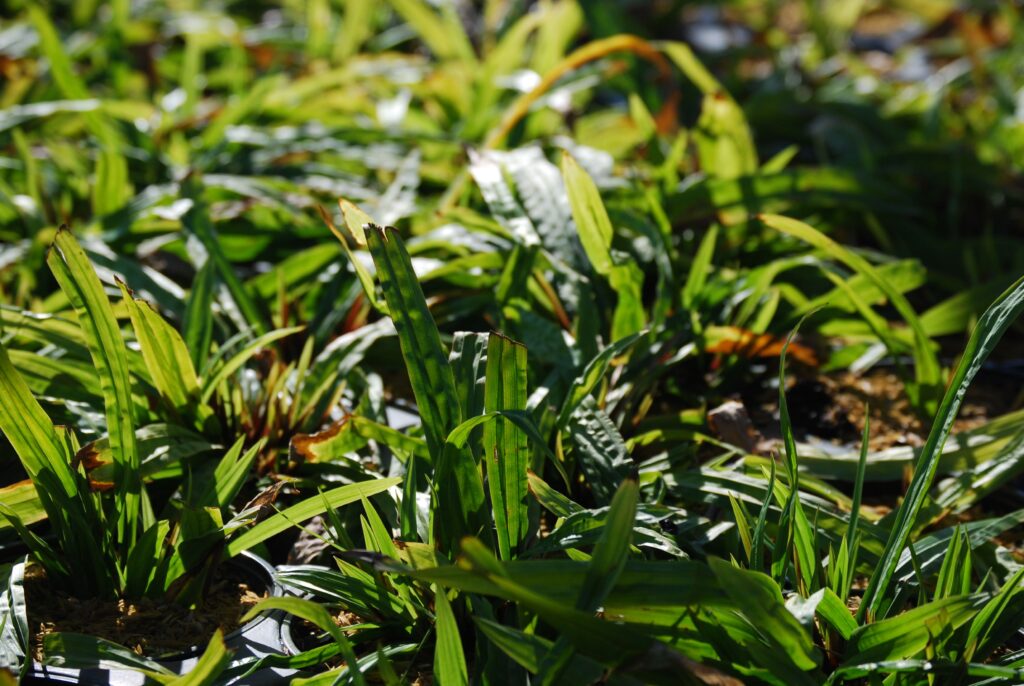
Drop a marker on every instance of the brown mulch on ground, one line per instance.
(149, 627)
(308, 635)
(832, 408)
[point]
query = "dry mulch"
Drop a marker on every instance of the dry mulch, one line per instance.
(832, 408)
(149, 627)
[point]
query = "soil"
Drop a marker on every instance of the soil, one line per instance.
(154, 628)
(308, 635)
(832, 408)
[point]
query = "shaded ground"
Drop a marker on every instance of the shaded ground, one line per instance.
(149, 627)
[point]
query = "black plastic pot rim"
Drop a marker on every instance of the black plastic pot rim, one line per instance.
(258, 567)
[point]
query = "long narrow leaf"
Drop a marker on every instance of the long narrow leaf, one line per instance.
(449, 658)
(991, 327)
(429, 372)
(506, 452)
(311, 507)
(82, 286)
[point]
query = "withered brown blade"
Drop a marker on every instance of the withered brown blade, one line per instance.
(265, 500)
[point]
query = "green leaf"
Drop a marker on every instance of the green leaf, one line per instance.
(356, 28)
(449, 658)
(198, 319)
(211, 663)
(691, 66)
(167, 358)
(144, 560)
(232, 365)
(592, 374)
(312, 506)
(612, 548)
(70, 85)
(834, 611)
(997, 621)
(197, 222)
(907, 634)
(429, 372)
(112, 188)
(955, 574)
(77, 651)
(553, 501)
(248, 103)
(33, 437)
(599, 449)
(926, 365)
(227, 478)
(529, 649)
(355, 220)
(858, 492)
(592, 222)
(758, 537)
(502, 203)
(605, 641)
(318, 615)
(603, 571)
(699, 268)
(82, 286)
(595, 231)
(443, 33)
(808, 564)
(760, 601)
(506, 452)
(991, 327)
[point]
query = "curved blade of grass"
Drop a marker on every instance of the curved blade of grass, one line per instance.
(991, 327)
(82, 286)
(603, 571)
(197, 222)
(808, 564)
(236, 361)
(212, 662)
(583, 384)
(318, 615)
(907, 634)
(833, 610)
(198, 320)
(77, 651)
(318, 504)
(760, 600)
(997, 621)
(926, 364)
(167, 358)
(33, 437)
